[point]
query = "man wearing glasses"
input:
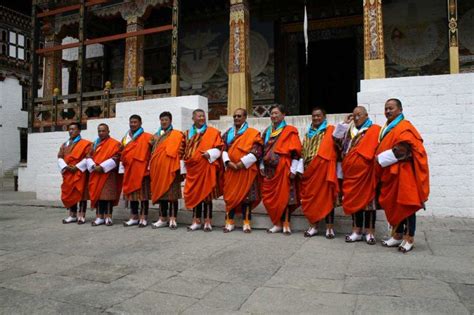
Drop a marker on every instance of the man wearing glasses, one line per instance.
(242, 149)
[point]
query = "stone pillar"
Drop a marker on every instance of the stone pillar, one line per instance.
(52, 60)
(133, 67)
(175, 91)
(81, 57)
(453, 36)
(239, 87)
(35, 34)
(374, 58)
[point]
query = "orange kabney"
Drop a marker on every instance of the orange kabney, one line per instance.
(101, 152)
(237, 183)
(319, 186)
(164, 163)
(74, 183)
(404, 186)
(359, 182)
(202, 176)
(276, 189)
(135, 156)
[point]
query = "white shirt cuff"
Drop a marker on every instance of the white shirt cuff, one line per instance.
(90, 165)
(225, 157)
(340, 175)
(294, 166)
(300, 167)
(108, 165)
(386, 158)
(182, 167)
(340, 130)
(82, 165)
(248, 160)
(121, 168)
(61, 165)
(214, 154)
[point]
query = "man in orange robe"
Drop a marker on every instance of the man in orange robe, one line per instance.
(319, 185)
(73, 167)
(202, 167)
(403, 175)
(242, 149)
(281, 152)
(104, 180)
(135, 156)
(167, 150)
(357, 139)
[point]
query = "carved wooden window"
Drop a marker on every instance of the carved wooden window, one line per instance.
(16, 45)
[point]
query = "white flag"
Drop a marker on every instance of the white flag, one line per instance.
(305, 30)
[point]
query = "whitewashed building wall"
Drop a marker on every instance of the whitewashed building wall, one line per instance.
(11, 118)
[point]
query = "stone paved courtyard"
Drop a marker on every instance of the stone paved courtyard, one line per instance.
(47, 267)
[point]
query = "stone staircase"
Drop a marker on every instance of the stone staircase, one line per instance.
(7, 181)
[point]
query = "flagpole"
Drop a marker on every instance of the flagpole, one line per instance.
(305, 32)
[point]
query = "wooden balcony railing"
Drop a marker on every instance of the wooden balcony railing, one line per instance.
(58, 111)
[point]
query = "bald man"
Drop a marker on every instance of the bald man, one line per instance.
(242, 149)
(357, 139)
(105, 183)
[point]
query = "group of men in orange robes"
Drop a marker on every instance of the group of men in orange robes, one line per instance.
(379, 168)
(369, 166)
(143, 166)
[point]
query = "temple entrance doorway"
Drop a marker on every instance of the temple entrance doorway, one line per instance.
(329, 80)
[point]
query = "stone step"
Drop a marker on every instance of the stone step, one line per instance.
(260, 220)
(9, 173)
(7, 183)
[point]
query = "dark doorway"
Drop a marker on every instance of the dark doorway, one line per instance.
(23, 144)
(329, 80)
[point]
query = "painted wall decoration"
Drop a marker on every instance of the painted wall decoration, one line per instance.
(415, 45)
(416, 37)
(204, 58)
(259, 52)
(199, 58)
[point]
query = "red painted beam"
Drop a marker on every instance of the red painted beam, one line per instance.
(69, 8)
(105, 39)
(148, 31)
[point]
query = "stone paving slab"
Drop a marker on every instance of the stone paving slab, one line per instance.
(296, 301)
(50, 268)
(143, 278)
(199, 309)
(185, 286)
(227, 297)
(306, 278)
(428, 288)
(372, 286)
(367, 304)
(98, 271)
(149, 302)
(17, 302)
(465, 294)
